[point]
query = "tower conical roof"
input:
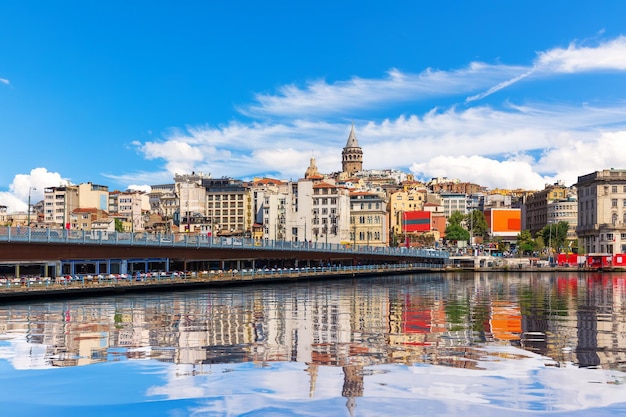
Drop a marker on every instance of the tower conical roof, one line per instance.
(352, 142)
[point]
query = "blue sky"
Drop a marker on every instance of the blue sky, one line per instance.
(125, 94)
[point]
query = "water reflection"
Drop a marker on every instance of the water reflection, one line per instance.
(507, 342)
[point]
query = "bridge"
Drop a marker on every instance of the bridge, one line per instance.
(57, 252)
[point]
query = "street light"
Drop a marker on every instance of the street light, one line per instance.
(29, 191)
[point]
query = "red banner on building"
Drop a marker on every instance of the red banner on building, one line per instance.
(416, 221)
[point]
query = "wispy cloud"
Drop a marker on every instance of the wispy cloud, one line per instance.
(607, 56)
(320, 98)
(4, 81)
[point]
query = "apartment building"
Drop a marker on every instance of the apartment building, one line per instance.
(452, 202)
(330, 220)
(368, 219)
(59, 202)
(228, 207)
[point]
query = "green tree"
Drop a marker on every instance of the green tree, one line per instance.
(119, 225)
(525, 242)
(456, 232)
(476, 223)
(456, 218)
(555, 235)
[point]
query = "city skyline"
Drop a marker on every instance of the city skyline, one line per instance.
(128, 95)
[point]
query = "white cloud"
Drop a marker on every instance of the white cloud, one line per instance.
(145, 188)
(4, 81)
(34, 184)
(610, 55)
(508, 174)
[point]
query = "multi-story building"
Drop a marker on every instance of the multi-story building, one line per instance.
(602, 212)
(565, 211)
(191, 214)
(401, 202)
(452, 202)
(535, 207)
(132, 205)
(92, 196)
(228, 207)
(267, 207)
(368, 219)
(59, 202)
(330, 213)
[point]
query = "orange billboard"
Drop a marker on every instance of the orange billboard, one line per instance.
(504, 222)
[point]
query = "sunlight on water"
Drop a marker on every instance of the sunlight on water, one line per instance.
(473, 344)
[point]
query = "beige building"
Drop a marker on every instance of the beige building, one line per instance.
(602, 212)
(368, 219)
(401, 202)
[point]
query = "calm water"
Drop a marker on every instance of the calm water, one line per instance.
(422, 345)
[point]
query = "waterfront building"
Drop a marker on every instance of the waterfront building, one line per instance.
(602, 212)
(4, 217)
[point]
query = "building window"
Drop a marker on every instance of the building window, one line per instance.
(614, 202)
(614, 189)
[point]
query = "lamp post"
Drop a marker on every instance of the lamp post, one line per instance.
(29, 191)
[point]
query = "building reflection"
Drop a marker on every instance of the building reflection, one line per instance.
(430, 319)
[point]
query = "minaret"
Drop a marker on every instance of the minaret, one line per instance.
(352, 155)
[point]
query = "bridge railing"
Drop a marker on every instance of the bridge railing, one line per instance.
(78, 237)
